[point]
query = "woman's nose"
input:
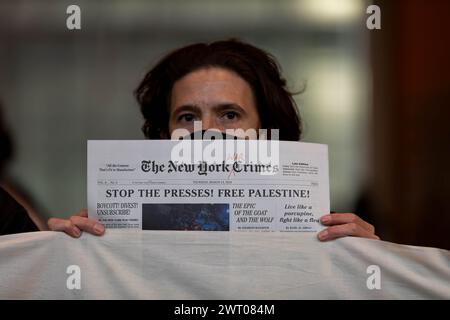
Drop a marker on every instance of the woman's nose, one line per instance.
(209, 123)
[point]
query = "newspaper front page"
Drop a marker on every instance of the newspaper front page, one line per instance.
(216, 185)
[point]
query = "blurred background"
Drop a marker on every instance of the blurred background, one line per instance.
(378, 98)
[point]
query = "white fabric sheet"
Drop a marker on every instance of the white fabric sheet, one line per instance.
(217, 265)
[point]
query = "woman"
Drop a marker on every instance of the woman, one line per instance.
(225, 85)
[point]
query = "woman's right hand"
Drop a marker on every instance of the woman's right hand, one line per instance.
(76, 224)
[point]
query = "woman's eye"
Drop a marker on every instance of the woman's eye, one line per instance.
(188, 117)
(230, 115)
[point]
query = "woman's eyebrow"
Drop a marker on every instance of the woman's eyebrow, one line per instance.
(186, 108)
(229, 106)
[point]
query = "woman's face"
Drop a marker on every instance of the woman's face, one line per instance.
(219, 98)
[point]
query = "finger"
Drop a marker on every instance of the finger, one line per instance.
(343, 218)
(343, 230)
(88, 225)
(64, 225)
(82, 213)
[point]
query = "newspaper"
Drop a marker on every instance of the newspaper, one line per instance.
(216, 185)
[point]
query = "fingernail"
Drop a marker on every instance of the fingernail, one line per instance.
(99, 228)
(323, 234)
(76, 232)
(325, 219)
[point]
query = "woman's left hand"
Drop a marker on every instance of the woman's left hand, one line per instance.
(345, 224)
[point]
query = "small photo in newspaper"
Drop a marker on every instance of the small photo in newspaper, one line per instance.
(186, 216)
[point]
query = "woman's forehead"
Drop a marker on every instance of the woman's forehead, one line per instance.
(211, 86)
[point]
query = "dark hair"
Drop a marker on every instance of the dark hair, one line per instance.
(275, 104)
(6, 146)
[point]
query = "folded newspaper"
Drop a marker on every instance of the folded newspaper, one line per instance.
(215, 185)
